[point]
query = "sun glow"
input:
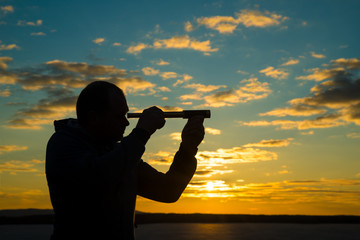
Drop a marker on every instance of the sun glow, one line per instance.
(210, 186)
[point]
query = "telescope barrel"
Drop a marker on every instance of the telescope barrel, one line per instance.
(180, 114)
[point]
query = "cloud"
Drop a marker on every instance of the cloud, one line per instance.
(234, 155)
(297, 110)
(176, 136)
(184, 42)
(43, 113)
(291, 62)
(336, 101)
(271, 143)
(149, 71)
(33, 24)
(18, 166)
(326, 121)
(3, 62)
(162, 63)
(38, 34)
(317, 55)
(353, 135)
(57, 78)
(137, 48)
(334, 191)
(351, 63)
(176, 42)
(213, 131)
(248, 18)
(4, 47)
(274, 73)
(189, 27)
(116, 44)
(204, 88)
(5, 93)
(167, 75)
(159, 158)
(99, 41)
(222, 24)
(11, 148)
(6, 9)
(252, 90)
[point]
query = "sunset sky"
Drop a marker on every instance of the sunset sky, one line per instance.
(281, 79)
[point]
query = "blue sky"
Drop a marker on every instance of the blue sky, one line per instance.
(280, 77)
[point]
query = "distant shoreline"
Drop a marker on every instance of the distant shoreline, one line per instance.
(46, 216)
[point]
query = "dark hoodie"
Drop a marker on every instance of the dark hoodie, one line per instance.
(93, 187)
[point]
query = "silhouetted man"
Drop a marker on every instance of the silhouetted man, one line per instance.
(94, 174)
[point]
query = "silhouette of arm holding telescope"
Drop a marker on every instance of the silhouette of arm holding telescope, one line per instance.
(94, 173)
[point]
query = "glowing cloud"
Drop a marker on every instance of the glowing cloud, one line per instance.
(317, 55)
(291, 62)
(274, 73)
(271, 143)
(248, 18)
(177, 42)
(11, 148)
(252, 90)
(99, 41)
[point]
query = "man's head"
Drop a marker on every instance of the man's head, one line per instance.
(101, 109)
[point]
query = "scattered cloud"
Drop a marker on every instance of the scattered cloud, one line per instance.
(321, 122)
(251, 90)
(5, 93)
(149, 71)
(162, 63)
(184, 42)
(317, 55)
(189, 27)
(176, 136)
(167, 75)
(18, 166)
(291, 62)
(135, 49)
(336, 101)
(116, 44)
(247, 18)
(8, 47)
(204, 88)
(242, 72)
(99, 41)
(38, 34)
(58, 79)
(234, 155)
(11, 148)
(338, 191)
(33, 24)
(297, 110)
(213, 131)
(6, 9)
(271, 143)
(353, 135)
(176, 42)
(275, 73)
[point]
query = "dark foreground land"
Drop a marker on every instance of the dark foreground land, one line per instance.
(38, 216)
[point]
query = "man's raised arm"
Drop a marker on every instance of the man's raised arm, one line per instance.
(168, 187)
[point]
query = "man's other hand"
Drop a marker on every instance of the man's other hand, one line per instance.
(151, 119)
(193, 132)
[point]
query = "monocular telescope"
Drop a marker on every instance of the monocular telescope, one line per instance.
(178, 114)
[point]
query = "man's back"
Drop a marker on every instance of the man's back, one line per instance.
(92, 187)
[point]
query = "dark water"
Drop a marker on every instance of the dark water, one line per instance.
(214, 231)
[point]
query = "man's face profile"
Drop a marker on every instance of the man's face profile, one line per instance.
(112, 123)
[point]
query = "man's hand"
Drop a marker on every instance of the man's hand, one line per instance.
(151, 119)
(193, 132)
